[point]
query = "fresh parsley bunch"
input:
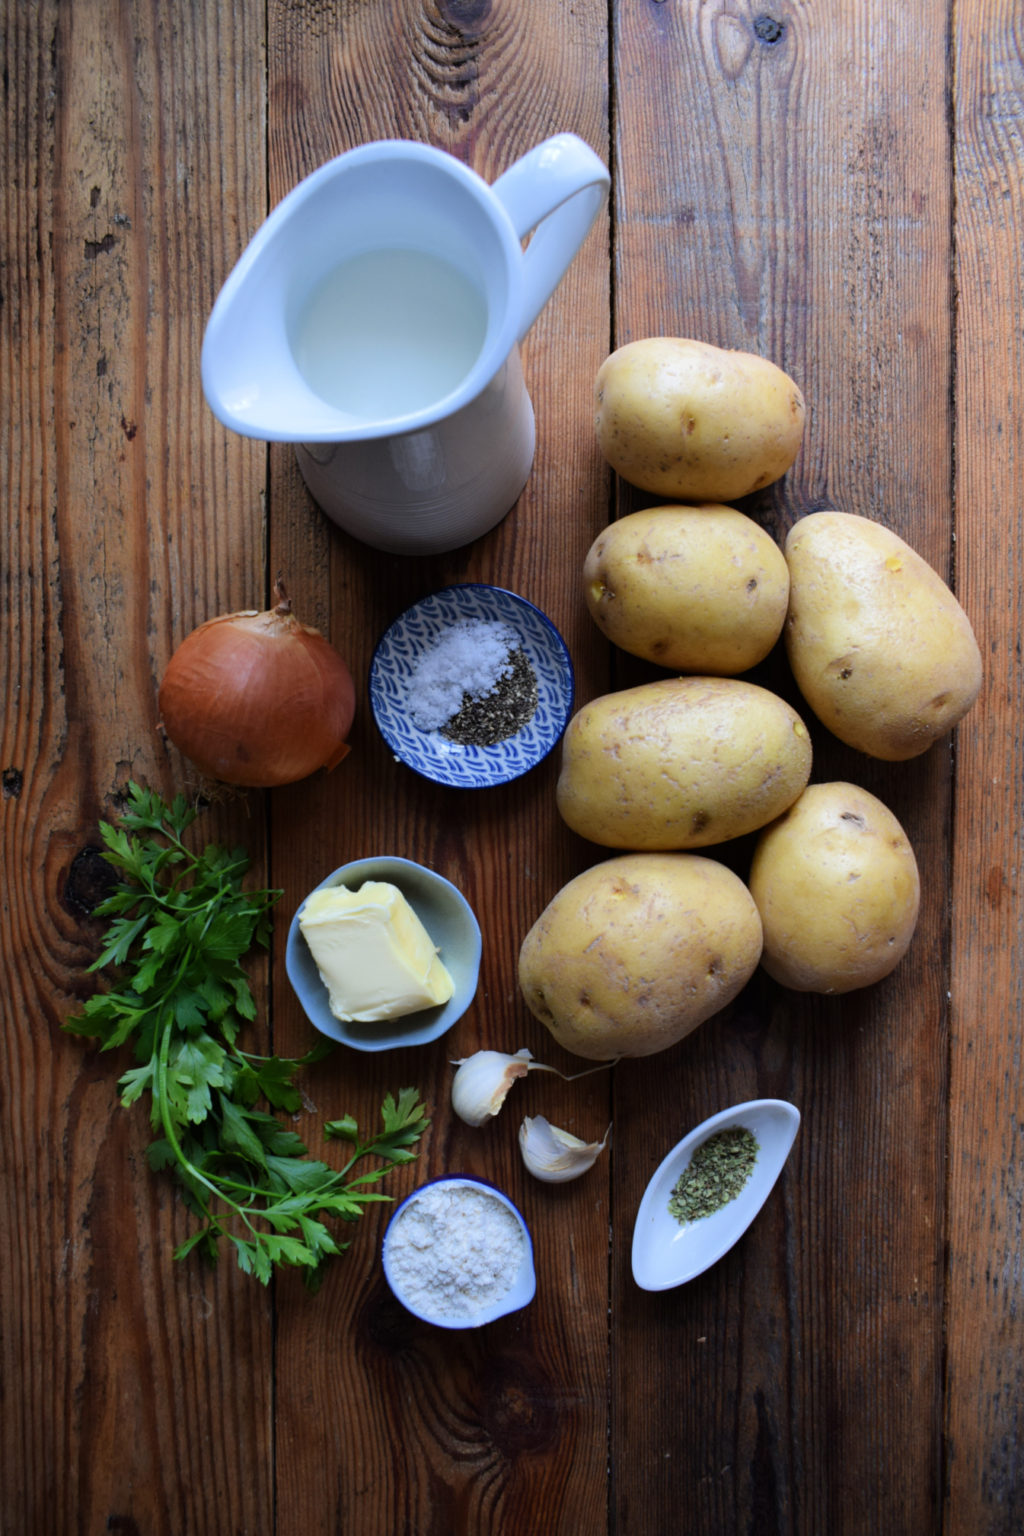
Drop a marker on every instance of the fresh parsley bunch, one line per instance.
(181, 924)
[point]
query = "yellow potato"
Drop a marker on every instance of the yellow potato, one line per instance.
(697, 589)
(695, 422)
(681, 763)
(880, 648)
(636, 952)
(836, 883)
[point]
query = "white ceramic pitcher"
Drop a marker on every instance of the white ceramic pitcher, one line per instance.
(374, 322)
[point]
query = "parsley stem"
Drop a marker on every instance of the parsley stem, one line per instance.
(166, 1119)
(195, 1175)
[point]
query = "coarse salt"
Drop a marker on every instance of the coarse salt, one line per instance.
(468, 658)
(453, 1252)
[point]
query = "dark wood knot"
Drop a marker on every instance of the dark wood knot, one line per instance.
(90, 880)
(767, 29)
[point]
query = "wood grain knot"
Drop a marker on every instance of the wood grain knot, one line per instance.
(90, 880)
(450, 57)
(768, 29)
(13, 781)
(469, 17)
(517, 1407)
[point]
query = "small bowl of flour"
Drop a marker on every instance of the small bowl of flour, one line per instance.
(458, 1254)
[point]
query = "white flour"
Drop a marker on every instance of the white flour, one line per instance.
(454, 1251)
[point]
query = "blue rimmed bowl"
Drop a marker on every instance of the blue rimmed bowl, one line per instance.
(521, 1284)
(415, 632)
(451, 923)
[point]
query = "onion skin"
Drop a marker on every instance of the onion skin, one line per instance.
(258, 699)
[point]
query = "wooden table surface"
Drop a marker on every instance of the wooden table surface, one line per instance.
(836, 184)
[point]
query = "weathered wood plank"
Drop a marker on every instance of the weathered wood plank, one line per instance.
(783, 183)
(985, 1376)
(508, 1429)
(783, 187)
(135, 1394)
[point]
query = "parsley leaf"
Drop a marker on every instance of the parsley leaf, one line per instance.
(181, 924)
(404, 1124)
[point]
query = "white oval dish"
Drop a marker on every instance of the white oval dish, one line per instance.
(522, 1285)
(666, 1253)
(451, 923)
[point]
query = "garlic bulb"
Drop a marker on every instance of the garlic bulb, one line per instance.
(556, 1156)
(482, 1081)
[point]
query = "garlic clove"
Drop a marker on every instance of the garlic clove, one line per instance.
(482, 1081)
(553, 1155)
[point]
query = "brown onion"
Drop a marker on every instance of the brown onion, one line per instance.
(258, 699)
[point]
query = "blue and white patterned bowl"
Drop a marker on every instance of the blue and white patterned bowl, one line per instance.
(430, 753)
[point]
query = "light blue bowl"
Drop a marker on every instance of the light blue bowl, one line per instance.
(451, 923)
(522, 1286)
(428, 752)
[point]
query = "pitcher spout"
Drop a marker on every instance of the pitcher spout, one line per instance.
(251, 381)
(379, 296)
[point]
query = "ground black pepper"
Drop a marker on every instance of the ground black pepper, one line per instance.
(715, 1174)
(487, 718)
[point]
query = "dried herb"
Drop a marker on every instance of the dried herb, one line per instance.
(487, 718)
(715, 1174)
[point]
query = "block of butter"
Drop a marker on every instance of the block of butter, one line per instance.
(374, 956)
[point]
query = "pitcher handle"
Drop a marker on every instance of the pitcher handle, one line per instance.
(557, 189)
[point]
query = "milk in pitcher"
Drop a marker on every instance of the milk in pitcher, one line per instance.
(390, 332)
